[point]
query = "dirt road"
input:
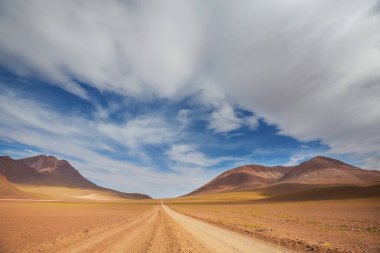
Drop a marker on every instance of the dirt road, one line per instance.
(164, 230)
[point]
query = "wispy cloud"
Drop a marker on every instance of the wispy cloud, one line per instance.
(189, 155)
(224, 120)
(81, 141)
(309, 67)
(136, 132)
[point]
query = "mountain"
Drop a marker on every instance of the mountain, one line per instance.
(18, 172)
(48, 171)
(325, 170)
(56, 172)
(241, 178)
(315, 172)
(9, 191)
(322, 193)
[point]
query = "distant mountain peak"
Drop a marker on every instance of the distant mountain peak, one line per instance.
(322, 162)
(42, 156)
(51, 171)
(325, 159)
(319, 170)
(49, 164)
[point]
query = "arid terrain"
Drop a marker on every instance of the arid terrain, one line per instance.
(33, 226)
(190, 226)
(321, 205)
(351, 225)
(118, 227)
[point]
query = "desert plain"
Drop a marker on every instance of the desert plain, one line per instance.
(47, 206)
(48, 226)
(349, 225)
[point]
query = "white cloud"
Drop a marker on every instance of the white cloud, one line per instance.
(224, 120)
(187, 154)
(315, 75)
(133, 48)
(372, 163)
(310, 67)
(143, 130)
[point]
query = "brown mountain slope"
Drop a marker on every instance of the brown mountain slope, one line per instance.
(328, 193)
(57, 172)
(49, 171)
(319, 171)
(241, 178)
(9, 191)
(18, 172)
(324, 170)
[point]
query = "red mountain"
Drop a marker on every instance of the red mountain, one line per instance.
(45, 170)
(18, 172)
(317, 171)
(56, 172)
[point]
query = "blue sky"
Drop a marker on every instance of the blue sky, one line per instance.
(160, 97)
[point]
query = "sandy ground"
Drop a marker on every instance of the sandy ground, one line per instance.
(147, 229)
(216, 239)
(319, 226)
(308, 226)
(35, 226)
(67, 193)
(164, 230)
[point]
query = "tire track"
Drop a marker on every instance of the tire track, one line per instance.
(162, 230)
(216, 239)
(114, 237)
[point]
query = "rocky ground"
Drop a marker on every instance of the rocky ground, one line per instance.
(320, 226)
